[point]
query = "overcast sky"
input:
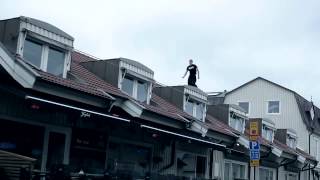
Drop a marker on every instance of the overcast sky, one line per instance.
(231, 41)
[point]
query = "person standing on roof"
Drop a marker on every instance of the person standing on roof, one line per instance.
(193, 71)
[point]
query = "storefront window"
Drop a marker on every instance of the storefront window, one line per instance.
(23, 139)
(266, 174)
(88, 151)
(234, 170)
(129, 160)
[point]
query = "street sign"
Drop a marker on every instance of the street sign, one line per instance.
(254, 145)
(254, 130)
(254, 163)
(254, 155)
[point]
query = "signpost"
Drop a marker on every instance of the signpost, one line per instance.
(254, 144)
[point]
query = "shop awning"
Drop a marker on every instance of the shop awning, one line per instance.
(181, 135)
(76, 108)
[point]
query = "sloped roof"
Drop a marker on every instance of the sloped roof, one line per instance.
(304, 108)
(258, 78)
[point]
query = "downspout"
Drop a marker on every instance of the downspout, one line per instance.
(173, 156)
(309, 150)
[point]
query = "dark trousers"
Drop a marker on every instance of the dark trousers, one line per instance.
(192, 80)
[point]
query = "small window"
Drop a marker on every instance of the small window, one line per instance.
(44, 56)
(267, 133)
(266, 174)
(234, 170)
(142, 91)
(273, 107)
(195, 109)
(32, 52)
(237, 122)
(127, 86)
(244, 106)
(135, 88)
(189, 107)
(291, 141)
(199, 110)
(312, 113)
(55, 62)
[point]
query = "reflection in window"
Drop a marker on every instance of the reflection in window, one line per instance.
(291, 141)
(142, 91)
(55, 62)
(32, 52)
(244, 106)
(273, 107)
(199, 111)
(189, 107)
(234, 170)
(266, 174)
(267, 133)
(127, 86)
(194, 109)
(237, 122)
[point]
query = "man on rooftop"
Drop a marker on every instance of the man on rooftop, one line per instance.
(193, 70)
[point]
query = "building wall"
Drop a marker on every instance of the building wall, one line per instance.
(258, 93)
(315, 147)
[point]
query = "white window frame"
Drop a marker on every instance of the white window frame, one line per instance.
(243, 123)
(271, 128)
(194, 106)
(45, 54)
(289, 136)
(269, 169)
(135, 87)
(239, 163)
(267, 111)
(249, 106)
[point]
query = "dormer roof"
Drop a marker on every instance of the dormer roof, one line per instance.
(35, 23)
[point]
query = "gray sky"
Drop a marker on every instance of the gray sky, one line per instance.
(231, 41)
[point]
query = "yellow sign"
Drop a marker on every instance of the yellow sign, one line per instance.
(254, 128)
(254, 138)
(254, 163)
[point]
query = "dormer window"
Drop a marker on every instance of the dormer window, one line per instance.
(48, 58)
(267, 132)
(312, 113)
(137, 89)
(291, 141)
(194, 108)
(237, 122)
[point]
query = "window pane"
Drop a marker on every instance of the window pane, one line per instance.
(244, 106)
(227, 171)
(199, 111)
(142, 91)
(32, 52)
(242, 171)
(189, 107)
(55, 62)
(127, 86)
(263, 174)
(236, 170)
(273, 107)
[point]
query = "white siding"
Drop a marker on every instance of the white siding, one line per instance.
(315, 147)
(258, 93)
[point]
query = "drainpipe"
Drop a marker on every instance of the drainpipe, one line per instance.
(309, 150)
(173, 156)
